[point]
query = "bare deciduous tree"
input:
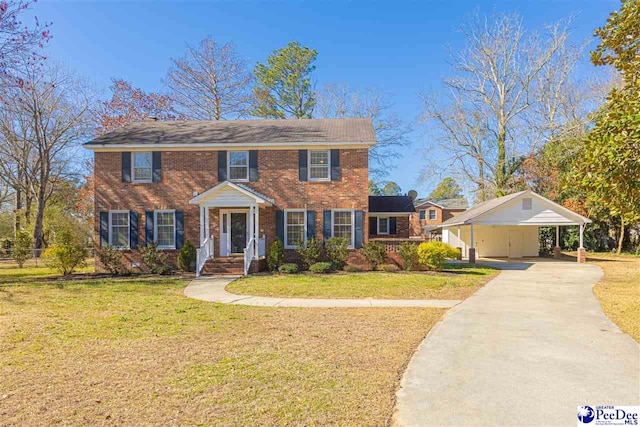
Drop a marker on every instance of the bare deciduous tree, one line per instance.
(41, 124)
(211, 82)
(337, 100)
(509, 90)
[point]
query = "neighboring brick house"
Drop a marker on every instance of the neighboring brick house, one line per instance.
(430, 214)
(225, 184)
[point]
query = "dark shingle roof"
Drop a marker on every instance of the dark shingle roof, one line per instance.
(151, 132)
(400, 204)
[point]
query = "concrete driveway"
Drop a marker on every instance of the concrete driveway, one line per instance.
(526, 349)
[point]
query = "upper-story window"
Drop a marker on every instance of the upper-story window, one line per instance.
(423, 214)
(238, 166)
(142, 166)
(319, 168)
(432, 214)
(119, 229)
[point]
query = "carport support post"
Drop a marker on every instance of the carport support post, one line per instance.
(459, 245)
(556, 249)
(472, 249)
(582, 253)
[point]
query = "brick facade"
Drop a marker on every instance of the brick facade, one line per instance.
(442, 215)
(186, 173)
(402, 229)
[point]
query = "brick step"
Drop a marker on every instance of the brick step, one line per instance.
(224, 265)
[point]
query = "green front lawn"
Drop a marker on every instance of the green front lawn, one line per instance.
(33, 270)
(456, 282)
(136, 351)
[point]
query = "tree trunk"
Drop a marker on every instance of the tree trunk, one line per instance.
(501, 163)
(38, 231)
(18, 208)
(621, 239)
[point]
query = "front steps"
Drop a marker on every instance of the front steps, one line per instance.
(233, 265)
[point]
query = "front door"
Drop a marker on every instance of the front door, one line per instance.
(238, 232)
(515, 244)
(233, 231)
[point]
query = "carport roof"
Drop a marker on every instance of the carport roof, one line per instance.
(475, 213)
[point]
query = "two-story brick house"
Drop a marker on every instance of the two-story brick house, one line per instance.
(430, 214)
(231, 187)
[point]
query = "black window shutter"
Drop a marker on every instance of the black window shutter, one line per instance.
(326, 224)
(393, 225)
(280, 225)
(104, 229)
(133, 230)
(126, 166)
(311, 225)
(222, 166)
(156, 157)
(302, 165)
(179, 229)
(335, 165)
(358, 229)
(253, 165)
(148, 227)
(373, 225)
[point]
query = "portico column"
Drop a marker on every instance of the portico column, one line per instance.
(556, 249)
(472, 248)
(206, 222)
(582, 253)
(201, 225)
(256, 231)
(252, 212)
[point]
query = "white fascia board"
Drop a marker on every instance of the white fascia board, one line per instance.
(224, 146)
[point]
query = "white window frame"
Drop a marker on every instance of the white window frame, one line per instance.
(155, 228)
(420, 212)
(133, 167)
(328, 178)
(435, 215)
(246, 179)
(286, 227)
(353, 225)
(388, 222)
(128, 229)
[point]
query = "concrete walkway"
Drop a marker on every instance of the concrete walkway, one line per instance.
(213, 289)
(526, 349)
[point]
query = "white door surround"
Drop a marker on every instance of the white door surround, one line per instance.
(226, 230)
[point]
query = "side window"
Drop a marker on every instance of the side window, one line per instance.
(165, 232)
(142, 166)
(423, 214)
(319, 165)
(432, 214)
(383, 225)
(119, 229)
(295, 228)
(238, 166)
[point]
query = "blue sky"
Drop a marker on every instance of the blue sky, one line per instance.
(400, 47)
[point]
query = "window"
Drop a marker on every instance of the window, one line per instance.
(423, 214)
(432, 214)
(142, 167)
(383, 225)
(319, 165)
(295, 228)
(165, 229)
(238, 165)
(526, 204)
(342, 225)
(119, 229)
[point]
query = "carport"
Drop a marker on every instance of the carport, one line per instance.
(508, 227)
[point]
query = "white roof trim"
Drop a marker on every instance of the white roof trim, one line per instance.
(225, 146)
(390, 213)
(261, 200)
(571, 215)
(431, 203)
